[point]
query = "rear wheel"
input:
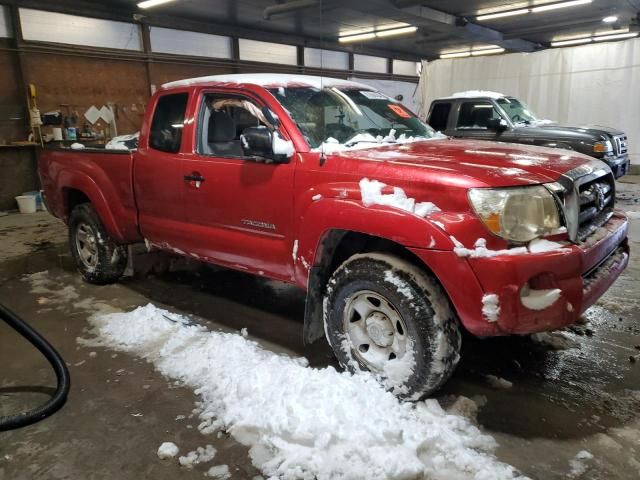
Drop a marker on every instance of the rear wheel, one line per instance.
(97, 256)
(384, 315)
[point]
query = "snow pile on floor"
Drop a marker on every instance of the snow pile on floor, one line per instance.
(491, 307)
(371, 191)
(301, 422)
(167, 450)
(219, 471)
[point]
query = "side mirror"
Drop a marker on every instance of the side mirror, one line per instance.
(497, 124)
(263, 143)
(257, 141)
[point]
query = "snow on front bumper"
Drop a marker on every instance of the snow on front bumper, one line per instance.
(582, 273)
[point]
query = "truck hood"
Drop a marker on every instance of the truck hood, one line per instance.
(590, 132)
(480, 163)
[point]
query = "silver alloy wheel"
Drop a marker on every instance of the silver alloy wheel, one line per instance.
(374, 329)
(86, 245)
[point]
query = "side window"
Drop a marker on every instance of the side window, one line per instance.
(475, 115)
(223, 120)
(439, 116)
(167, 123)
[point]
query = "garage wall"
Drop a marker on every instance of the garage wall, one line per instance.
(590, 84)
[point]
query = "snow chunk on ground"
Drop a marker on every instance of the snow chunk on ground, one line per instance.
(219, 471)
(540, 299)
(167, 450)
(491, 307)
(199, 455)
(578, 464)
(554, 340)
(301, 422)
(371, 191)
(498, 382)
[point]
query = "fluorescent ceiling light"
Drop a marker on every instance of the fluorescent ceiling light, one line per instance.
(396, 31)
(610, 19)
(555, 6)
(376, 34)
(153, 3)
(509, 13)
(487, 51)
(355, 38)
(617, 36)
(575, 41)
(455, 55)
(538, 9)
(472, 53)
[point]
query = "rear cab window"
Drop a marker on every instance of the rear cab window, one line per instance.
(476, 114)
(167, 122)
(439, 116)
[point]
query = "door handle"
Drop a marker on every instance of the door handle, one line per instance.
(195, 177)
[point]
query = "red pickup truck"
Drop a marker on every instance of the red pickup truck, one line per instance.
(400, 236)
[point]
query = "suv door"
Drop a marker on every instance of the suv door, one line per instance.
(473, 120)
(239, 210)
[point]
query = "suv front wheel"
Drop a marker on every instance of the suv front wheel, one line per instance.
(384, 315)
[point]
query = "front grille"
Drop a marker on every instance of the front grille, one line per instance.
(620, 146)
(596, 198)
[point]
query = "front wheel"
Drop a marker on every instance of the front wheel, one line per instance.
(97, 256)
(384, 315)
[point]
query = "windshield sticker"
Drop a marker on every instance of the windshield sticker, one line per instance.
(398, 110)
(372, 95)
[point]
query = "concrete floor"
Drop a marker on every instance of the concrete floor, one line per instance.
(582, 397)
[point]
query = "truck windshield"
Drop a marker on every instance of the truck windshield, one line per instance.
(349, 116)
(518, 112)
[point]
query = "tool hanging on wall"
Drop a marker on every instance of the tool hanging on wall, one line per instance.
(35, 122)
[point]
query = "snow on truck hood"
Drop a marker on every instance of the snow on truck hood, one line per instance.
(490, 163)
(269, 80)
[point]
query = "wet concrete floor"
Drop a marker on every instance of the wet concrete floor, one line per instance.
(581, 394)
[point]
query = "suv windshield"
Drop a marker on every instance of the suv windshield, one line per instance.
(518, 112)
(349, 116)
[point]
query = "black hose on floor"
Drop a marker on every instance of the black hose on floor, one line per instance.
(11, 422)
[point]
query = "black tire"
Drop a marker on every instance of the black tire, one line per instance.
(87, 234)
(425, 322)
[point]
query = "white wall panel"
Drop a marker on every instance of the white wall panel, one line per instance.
(402, 67)
(319, 58)
(181, 42)
(54, 27)
(256, 51)
(5, 24)
(367, 63)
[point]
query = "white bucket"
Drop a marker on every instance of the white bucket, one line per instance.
(26, 203)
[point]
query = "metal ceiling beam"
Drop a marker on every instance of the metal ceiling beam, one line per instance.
(555, 26)
(287, 7)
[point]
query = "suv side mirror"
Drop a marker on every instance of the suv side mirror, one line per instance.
(497, 124)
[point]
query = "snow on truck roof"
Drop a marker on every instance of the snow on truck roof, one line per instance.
(477, 94)
(269, 80)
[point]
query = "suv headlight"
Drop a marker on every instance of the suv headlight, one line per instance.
(518, 214)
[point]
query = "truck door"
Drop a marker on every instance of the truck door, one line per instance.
(239, 210)
(158, 184)
(474, 119)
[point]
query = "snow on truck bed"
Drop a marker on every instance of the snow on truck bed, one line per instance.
(301, 422)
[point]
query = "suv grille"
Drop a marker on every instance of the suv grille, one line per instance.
(595, 201)
(620, 145)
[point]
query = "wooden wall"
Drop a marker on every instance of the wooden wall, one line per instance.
(12, 98)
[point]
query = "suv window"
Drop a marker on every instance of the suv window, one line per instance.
(167, 123)
(475, 115)
(223, 120)
(439, 116)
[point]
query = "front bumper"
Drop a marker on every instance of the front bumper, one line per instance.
(581, 272)
(619, 165)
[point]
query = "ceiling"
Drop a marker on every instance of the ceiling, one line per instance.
(442, 25)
